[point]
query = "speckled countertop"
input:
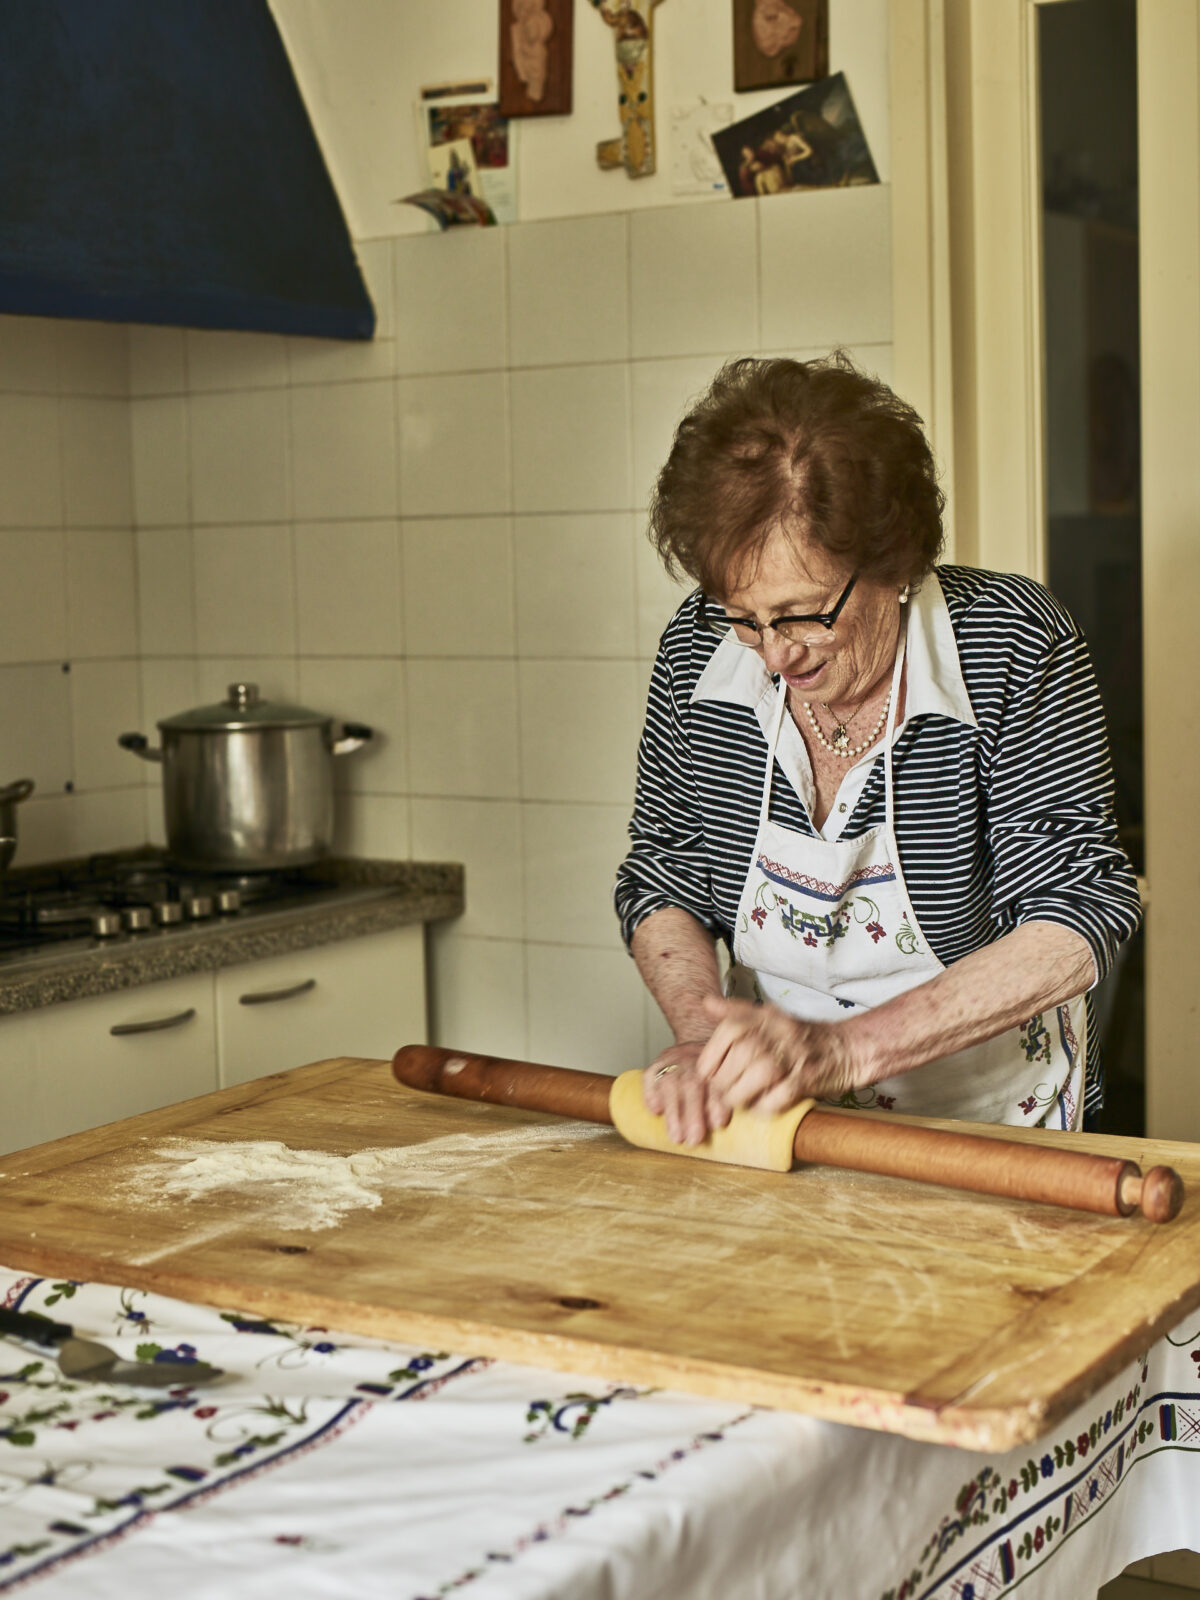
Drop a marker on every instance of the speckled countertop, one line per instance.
(378, 895)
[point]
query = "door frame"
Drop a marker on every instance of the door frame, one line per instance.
(967, 308)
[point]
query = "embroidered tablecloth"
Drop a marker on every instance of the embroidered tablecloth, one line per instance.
(333, 1466)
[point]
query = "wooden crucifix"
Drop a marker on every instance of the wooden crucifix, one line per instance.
(632, 22)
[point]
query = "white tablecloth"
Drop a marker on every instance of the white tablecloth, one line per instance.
(328, 1465)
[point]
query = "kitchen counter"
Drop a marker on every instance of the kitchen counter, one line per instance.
(380, 895)
(435, 1465)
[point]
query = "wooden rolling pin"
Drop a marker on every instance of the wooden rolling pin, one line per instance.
(832, 1138)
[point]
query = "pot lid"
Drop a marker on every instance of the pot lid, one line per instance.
(243, 707)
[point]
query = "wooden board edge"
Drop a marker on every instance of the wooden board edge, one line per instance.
(982, 1429)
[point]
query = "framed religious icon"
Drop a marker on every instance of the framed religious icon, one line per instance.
(535, 58)
(779, 42)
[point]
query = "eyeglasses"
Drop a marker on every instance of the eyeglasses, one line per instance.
(796, 630)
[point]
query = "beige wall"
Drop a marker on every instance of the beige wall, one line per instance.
(440, 533)
(68, 625)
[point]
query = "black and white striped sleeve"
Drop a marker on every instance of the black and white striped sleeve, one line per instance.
(1056, 856)
(668, 862)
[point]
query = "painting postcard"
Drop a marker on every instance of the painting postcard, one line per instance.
(778, 42)
(490, 136)
(810, 140)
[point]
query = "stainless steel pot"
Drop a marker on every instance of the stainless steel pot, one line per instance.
(11, 796)
(248, 784)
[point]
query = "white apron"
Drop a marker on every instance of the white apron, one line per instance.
(827, 927)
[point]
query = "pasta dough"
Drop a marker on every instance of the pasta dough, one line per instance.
(749, 1140)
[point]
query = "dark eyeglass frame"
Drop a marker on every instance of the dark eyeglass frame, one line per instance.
(822, 619)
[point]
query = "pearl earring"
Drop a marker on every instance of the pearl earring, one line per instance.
(904, 595)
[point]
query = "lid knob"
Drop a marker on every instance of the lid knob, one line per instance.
(243, 695)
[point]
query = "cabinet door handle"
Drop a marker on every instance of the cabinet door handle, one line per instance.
(266, 997)
(122, 1028)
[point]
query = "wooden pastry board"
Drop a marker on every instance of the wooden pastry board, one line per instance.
(892, 1305)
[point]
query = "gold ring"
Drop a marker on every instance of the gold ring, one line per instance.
(661, 1072)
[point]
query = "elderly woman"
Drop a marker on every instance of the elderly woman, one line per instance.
(884, 784)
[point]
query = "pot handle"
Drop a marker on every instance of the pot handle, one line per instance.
(12, 793)
(140, 746)
(354, 736)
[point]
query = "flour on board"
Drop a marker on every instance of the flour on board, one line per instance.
(308, 1190)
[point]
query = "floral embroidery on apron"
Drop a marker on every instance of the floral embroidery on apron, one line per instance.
(826, 926)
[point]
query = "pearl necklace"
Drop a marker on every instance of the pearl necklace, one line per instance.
(840, 745)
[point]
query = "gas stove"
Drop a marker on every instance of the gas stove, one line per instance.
(109, 901)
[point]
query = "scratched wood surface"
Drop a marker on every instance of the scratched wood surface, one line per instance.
(892, 1305)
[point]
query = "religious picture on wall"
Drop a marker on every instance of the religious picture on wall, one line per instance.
(811, 140)
(456, 118)
(779, 41)
(535, 57)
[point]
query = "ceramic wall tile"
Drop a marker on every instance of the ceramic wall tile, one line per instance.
(245, 601)
(449, 301)
(569, 291)
(580, 722)
(238, 455)
(658, 595)
(374, 826)
(340, 360)
(161, 480)
(371, 692)
(571, 857)
(97, 473)
(694, 274)
(375, 263)
(275, 676)
(28, 355)
(477, 994)
(93, 358)
(462, 728)
(485, 836)
(169, 685)
(157, 362)
(571, 444)
(101, 593)
(585, 1008)
(344, 450)
(458, 586)
(220, 360)
(45, 832)
(105, 702)
(453, 445)
(663, 392)
(826, 267)
(34, 626)
(166, 591)
(35, 715)
(31, 491)
(575, 587)
(108, 819)
(348, 589)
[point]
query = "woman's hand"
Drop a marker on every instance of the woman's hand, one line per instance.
(672, 1087)
(759, 1056)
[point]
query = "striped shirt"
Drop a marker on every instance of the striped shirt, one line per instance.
(1002, 783)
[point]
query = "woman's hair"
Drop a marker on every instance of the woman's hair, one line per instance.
(815, 448)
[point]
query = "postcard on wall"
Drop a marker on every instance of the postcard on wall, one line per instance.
(695, 168)
(779, 41)
(810, 140)
(446, 118)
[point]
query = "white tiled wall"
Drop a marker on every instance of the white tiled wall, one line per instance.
(441, 534)
(69, 680)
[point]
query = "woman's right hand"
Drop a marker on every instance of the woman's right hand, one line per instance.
(673, 1088)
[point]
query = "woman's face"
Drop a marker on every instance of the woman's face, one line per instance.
(792, 578)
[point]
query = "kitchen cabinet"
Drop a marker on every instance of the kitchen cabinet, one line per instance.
(86, 1062)
(359, 997)
(75, 1065)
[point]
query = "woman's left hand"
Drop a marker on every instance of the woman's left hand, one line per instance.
(759, 1056)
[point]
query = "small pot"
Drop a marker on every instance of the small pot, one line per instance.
(248, 784)
(10, 798)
